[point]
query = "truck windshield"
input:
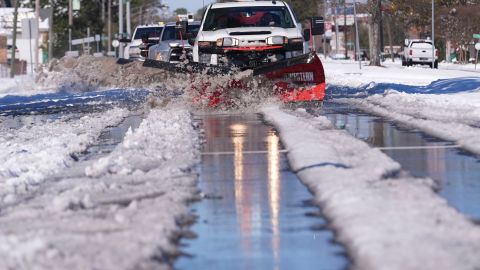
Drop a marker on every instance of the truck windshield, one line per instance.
(152, 32)
(171, 33)
(221, 18)
(421, 45)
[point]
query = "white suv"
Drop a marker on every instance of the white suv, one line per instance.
(133, 50)
(248, 34)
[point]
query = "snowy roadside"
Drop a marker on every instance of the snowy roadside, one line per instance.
(452, 113)
(122, 211)
(383, 216)
(38, 149)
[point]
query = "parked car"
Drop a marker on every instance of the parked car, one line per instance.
(172, 45)
(419, 51)
(151, 32)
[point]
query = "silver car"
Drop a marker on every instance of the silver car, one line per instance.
(172, 46)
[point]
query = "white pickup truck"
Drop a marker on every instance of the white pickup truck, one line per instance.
(419, 52)
(249, 33)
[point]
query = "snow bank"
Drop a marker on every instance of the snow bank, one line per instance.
(125, 214)
(38, 149)
(443, 103)
(386, 219)
(347, 73)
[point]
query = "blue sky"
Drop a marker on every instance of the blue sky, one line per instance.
(191, 5)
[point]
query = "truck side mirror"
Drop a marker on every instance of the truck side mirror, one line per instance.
(306, 34)
(318, 25)
(406, 43)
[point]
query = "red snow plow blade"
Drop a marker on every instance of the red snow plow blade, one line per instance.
(302, 79)
(297, 79)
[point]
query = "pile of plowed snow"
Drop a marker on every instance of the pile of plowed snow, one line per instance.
(105, 72)
(89, 73)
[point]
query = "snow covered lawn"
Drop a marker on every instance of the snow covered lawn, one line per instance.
(122, 211)
(386, 218)
(444, 103)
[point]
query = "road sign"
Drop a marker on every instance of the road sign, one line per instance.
(115, 43)
(477, 46)
(82, 40)
(476, 36)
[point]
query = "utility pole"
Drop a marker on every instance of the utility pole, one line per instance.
(103, 11)
(345, 32)
(433, 34)
(120, 27)
(37, 30)
(70, 24)
(129, 26)
(336, 28)
(109, 26)
(50, 32)
(324, 35)
(14, 38)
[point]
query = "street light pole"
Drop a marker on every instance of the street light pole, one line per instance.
(357, 42)
(37, 30)
(433, 34)
(70, 23)
(324, 35)
(120, 27)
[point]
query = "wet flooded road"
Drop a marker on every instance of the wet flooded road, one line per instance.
(257, 214)
(457, 172)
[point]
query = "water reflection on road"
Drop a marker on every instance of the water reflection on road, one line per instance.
(457, 173)
(258, 219)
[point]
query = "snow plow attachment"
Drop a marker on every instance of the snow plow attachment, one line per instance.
(297, 79)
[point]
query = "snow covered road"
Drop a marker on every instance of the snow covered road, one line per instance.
(124, 210)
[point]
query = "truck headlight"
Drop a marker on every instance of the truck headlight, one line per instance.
(227, 42)
(158, 57)
(295, 40)
(276, 40)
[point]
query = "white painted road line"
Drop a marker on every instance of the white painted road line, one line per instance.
(450, 146)
(243, 152)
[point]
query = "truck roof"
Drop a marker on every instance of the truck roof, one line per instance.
(248, 3)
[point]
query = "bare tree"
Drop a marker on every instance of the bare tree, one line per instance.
(374, 8)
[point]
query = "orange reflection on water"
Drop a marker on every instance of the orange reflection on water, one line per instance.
(238, 133)
(274, 194)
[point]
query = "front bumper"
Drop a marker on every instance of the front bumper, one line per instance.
(249, 56)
